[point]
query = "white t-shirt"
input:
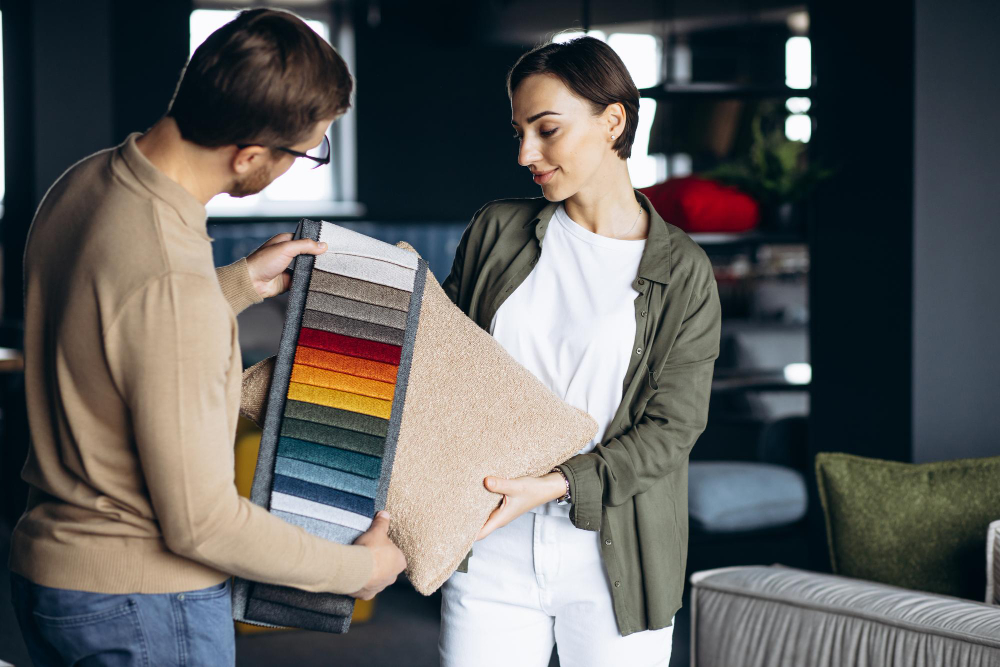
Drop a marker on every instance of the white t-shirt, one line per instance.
(572, 321)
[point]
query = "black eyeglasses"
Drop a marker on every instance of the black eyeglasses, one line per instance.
(320, 155)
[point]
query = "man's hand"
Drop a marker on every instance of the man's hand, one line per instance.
(520, 495)
(267, 263)
(389, 560)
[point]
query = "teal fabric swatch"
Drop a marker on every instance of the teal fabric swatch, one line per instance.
(331, 457)
(361, 443)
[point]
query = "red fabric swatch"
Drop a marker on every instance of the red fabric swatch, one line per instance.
(355, 347)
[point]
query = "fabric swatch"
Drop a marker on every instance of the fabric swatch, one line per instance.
(315, 510)
(364, 268)
(339, 399)
(331, 457)
(357, 310)
(355, 347)
(359, 290)
(362, 443)
(364, 368)
(353, 421)
(317, 474)
(350, 242)
(324, 494)
(321, 377)
(345, 326)
(326, 603)
(285, 616)
(328, 531)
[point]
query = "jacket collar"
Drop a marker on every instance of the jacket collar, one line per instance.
(655, 261)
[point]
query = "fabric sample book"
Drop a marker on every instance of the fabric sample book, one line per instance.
(385, 395)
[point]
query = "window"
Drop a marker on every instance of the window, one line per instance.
(301, 191)
(642, 56)
(3, 158)
(798, 74)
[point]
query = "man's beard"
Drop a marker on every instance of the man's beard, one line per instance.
(252, 183)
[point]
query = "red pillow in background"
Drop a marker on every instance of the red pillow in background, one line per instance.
(702, 205)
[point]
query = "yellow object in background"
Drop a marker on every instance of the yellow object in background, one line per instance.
(247, 446)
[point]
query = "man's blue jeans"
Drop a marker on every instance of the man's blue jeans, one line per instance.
(67, 627)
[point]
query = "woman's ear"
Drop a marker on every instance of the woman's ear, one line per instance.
(614, 118)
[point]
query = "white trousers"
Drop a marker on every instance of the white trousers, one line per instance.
(536, 581)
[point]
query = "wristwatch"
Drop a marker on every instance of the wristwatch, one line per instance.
(565, 498)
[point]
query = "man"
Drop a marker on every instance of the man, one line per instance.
(132, 368)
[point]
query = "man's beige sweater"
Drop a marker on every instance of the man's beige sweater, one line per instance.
(132, 374)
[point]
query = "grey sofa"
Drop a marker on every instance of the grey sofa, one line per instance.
(777, 616)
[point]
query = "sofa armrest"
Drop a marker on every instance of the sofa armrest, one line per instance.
(993, 563)
(780, 616)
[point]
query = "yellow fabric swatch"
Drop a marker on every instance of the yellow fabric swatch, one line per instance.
(333, 398)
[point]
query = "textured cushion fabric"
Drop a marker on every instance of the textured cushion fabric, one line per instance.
(919, 526)
(384, 395)
(786, 617)
(728, 496)
(993, 563)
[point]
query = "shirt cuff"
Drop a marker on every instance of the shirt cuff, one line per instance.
(236, 285)
(584, 491)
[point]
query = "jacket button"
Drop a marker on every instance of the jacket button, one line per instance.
(641, 281)
(643, 314)
(638, 350)
(618, 584)
(608, 542)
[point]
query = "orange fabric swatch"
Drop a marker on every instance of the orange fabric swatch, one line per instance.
(333, 398)
(320, 377)
(332, 361)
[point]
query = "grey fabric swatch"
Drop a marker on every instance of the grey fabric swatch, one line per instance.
(334, 532)
(354, 328)
(349, 242)
(284, 616)
(335, 479)
(356, 310)
(321, 414)
(365, 268)
(341, 438)
(314, 510)
(323, 603)
(359, 290)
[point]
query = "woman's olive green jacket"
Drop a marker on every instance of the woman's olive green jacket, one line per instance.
(633, 486)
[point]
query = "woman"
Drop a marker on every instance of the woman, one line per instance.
(618, 313)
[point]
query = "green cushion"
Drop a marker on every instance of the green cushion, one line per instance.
(919, 526)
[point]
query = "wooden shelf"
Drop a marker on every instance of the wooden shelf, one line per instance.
(668, 91)
(751, 238)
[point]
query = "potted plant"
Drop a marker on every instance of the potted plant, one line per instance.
(774, 173)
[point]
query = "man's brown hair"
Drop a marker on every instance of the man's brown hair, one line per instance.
(263, 78)
(592, 70)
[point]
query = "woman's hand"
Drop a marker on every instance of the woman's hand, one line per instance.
(520, 495)
(267, 263)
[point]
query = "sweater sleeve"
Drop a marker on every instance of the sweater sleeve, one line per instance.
(170, 351)
(660, 441)
(234, 279)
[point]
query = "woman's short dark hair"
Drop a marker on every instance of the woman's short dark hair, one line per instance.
(593, 71)
(263, 78)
